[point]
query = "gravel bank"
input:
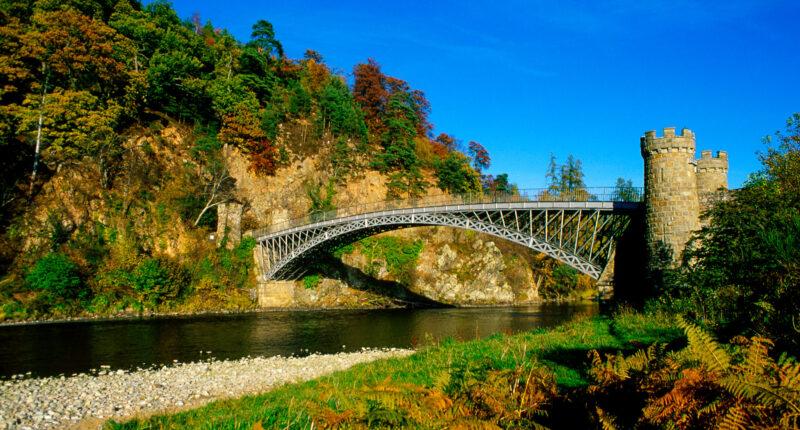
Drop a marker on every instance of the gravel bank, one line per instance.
(59, 402)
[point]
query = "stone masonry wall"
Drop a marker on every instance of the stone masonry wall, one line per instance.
(229, 222)
(671, 200)
(712, 172)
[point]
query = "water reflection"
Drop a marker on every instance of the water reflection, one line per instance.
(56, 348)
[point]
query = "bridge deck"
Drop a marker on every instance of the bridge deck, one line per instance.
(264, 234)
(577, 228)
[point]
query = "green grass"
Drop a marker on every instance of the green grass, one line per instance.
(363, 390)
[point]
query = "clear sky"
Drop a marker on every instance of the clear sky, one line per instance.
(526, 78)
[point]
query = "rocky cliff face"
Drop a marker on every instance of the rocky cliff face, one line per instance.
(454, 267)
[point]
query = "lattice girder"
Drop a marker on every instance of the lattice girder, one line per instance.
(581, 235)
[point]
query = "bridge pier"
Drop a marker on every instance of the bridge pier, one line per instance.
(605, 284)
(275, 294)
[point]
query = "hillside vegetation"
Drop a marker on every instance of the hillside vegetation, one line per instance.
(120, 122)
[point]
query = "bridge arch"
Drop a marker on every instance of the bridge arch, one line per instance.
(581, 234)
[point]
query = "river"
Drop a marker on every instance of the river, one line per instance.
(49, 349)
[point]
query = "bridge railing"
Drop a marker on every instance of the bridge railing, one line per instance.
(597, 194)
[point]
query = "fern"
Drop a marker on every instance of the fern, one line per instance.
(703, 346)
(757, 357)
(607, 421)
(742, 387)
(735, 419)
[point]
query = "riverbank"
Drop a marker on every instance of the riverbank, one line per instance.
(133, 315)
(446, 384)
(58, 402)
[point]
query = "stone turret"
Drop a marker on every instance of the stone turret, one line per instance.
(712, 172)
(672, 206)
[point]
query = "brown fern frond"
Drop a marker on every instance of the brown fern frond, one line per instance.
(790, 420)
(789, 373)
(757, 357)
(734, 419)
(711, 408)
(607, 421)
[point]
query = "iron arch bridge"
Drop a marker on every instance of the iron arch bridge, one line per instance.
(579, 229)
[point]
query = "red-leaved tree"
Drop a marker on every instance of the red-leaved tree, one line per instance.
(372, 90)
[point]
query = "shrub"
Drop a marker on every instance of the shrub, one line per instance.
(311, 281)
(158, 280)
(58, 276)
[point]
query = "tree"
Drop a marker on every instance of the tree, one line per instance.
(217, 186)
(242, 128)
(448, 141)
(338, 112)
(455, 174)
(373, 91)
(263, 37)
(480, 156)
(625, 192)
(571, 179)
(566, 181)
(371, 94)
(399, 157)
(310, 54)
(70, 123)
(80, 53)
(741, 273)
(501, 183)
(71, 51)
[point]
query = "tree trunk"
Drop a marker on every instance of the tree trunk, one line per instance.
(39, 129)
(209, 205)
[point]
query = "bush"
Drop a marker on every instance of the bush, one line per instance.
(58, 276)
(311, 281)
(158, 281)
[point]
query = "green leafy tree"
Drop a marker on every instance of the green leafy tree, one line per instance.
(263, 38)
(571, 176)
(399, 158)
(740, 272)
(338, 112)
(455, 174)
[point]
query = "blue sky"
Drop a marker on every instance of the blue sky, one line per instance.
(527, 78)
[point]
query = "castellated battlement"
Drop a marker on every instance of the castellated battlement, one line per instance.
(709, 163)
(712, 173)
(683, 143)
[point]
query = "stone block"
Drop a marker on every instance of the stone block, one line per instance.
(276, 294)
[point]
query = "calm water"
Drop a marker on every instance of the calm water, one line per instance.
(66, 348)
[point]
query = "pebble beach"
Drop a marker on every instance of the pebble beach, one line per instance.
(64, 402)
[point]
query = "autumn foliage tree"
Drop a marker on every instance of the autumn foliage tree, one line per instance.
(373, 91)
(371, 94)
(241, 128)
(480, 156)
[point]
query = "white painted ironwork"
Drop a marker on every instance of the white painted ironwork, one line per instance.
(586, 246)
